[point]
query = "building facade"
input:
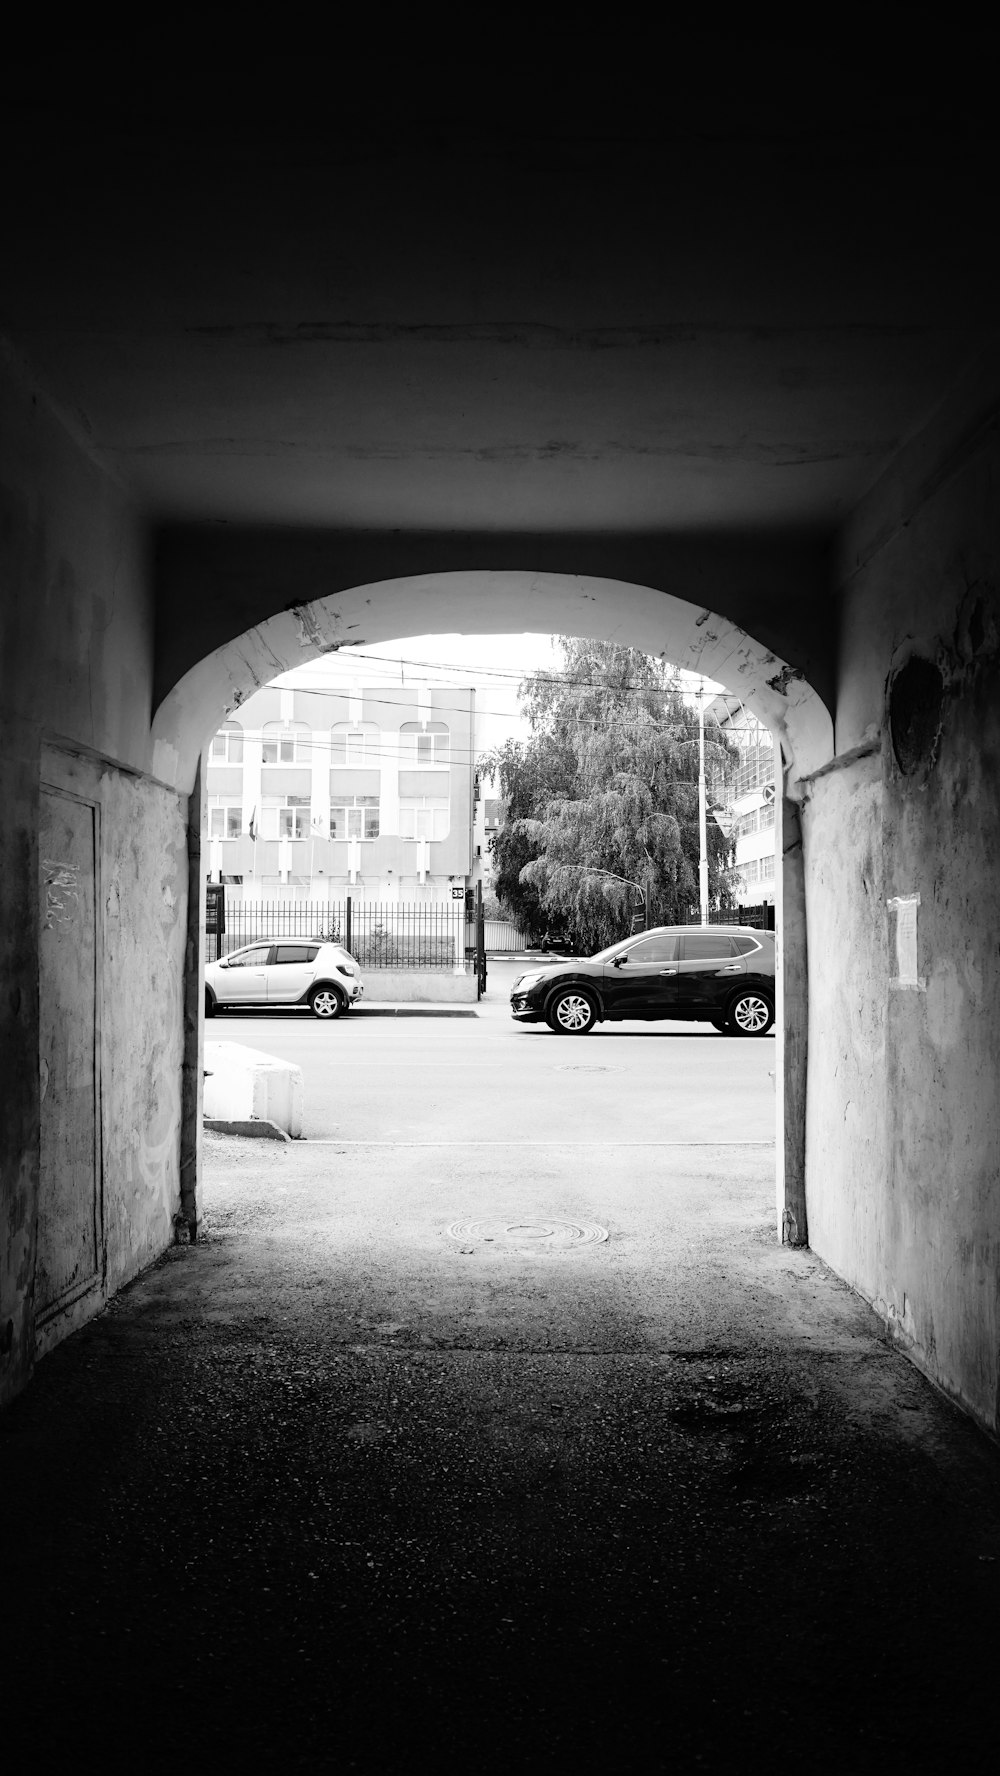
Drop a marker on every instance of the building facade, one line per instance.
(750, 797)
(316, 793)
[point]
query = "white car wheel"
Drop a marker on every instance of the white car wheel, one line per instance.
(326, 1002)
(572, 1013)
(750, 1015)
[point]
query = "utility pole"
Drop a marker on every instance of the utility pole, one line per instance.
(702, 810)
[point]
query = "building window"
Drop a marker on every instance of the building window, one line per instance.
(354, 817)
(227, 745)
(756, 767)
(424, 748)
(424, 817)
(354, 745)
(225, 819)
(748, 871)
(491, 813)
(767, 869)
(747, 823)
(285, 817)
(766, 816)
(284, 745)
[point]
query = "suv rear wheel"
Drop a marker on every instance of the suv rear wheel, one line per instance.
(750, 1014)
(571, 1012)
(325, 1002)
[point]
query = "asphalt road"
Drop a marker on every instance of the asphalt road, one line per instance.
(493, 1432)
(484, 1077)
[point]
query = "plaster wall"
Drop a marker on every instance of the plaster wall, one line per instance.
(410, 986)
(76, 637)
(903, 1122)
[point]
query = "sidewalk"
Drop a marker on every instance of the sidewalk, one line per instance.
(414, 1009)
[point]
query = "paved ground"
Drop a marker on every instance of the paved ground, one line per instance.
(382, 1477)
(482, 1076)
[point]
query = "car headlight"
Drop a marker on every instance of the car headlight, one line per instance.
(526, 980)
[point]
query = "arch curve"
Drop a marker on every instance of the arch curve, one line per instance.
(489, 602)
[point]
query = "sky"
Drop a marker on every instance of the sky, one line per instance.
(493, 664)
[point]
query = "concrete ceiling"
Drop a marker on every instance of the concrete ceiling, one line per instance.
(379, 325)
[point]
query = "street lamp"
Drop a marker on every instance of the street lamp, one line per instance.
(722, 817)
(702, 811)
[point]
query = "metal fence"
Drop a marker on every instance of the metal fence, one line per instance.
(378, 934)
(759, 917)
(502, 938)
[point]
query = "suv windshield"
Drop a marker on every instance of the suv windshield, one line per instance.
(612, 950)
(646, 938)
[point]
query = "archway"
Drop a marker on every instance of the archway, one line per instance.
(488, 601)
(485, 602)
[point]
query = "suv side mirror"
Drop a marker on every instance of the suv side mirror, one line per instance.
(620, 961)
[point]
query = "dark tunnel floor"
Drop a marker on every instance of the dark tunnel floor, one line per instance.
(284, 1507)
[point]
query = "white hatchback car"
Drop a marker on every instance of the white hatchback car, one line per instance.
(285, 971)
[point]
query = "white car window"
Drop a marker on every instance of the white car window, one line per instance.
(254, 958)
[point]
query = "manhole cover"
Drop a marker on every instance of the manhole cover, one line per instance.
(528, 1235)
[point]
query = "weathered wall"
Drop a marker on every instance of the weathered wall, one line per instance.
(903, 1125)
(76, 629)
(145, 897)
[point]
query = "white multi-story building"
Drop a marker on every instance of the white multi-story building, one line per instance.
(750, 799)
(314, 793)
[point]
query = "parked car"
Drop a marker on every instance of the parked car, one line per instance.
(562, 941)
(284, 971)
(721, 975)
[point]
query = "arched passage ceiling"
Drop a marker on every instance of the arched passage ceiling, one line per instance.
(662, 355)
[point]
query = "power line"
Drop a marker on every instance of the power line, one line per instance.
(504, 672)
(345, 696)
(555, 678)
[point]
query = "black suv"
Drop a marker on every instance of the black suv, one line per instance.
(721, 975)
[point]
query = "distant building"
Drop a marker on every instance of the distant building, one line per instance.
(750, 798)
(313, 794)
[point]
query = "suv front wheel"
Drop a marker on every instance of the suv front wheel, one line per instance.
(750, 1014)
(571, 1012)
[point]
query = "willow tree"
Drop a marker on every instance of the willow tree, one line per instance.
(606, 787)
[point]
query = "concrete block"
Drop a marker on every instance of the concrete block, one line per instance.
(245, 1085)
(256, 1130)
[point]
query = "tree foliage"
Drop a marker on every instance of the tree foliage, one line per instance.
(607, 781)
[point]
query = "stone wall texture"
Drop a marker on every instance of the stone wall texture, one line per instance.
(903, 1128)
(76, 663)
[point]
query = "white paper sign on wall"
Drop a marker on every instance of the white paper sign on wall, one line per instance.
(906, 977)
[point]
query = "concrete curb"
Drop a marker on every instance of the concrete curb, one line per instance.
(257, 1129)
(460, 1011)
